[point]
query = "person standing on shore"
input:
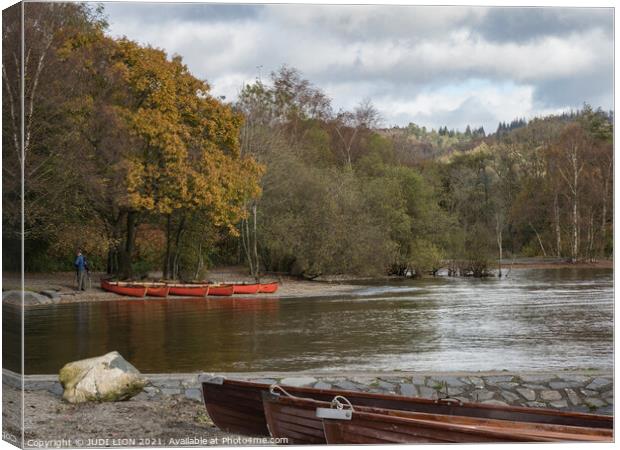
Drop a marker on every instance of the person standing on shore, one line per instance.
(81, 266)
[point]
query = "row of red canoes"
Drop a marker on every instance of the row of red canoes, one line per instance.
(155, 289)
(299, 415)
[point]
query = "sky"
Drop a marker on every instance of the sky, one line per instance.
(430, 65)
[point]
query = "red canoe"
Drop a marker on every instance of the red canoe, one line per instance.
(158, 291)
(130, 290)
(223, 290)
(188, 290)
(268, 288)
(246, 288)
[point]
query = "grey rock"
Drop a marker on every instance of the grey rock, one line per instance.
(550, 395)
(140, 397)
(588, 393)
(560, 385)
(507, 386)
(481, 395)
(55, 296)
(386, 386)
(609, 393)
(451, 381)
(193, 394)
(598, 383)
(56, 389)
(495, 402)
(347, 385)
(322, 385)
(30, 298)
(527, 394)
(476, 381)
(573, 397)
(581, 379)
(418, 379)
(408, 390)
(510, 397)
(536, 378)
(453, 391)
(298, 381)
(426, 392)
(536, 387)
(167, 384)
(151, 390)
(498, 379)
(559, 404)
(171, 391)
(606, 410)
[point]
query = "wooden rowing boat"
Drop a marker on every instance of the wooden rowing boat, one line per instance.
(123, 289)
(189, 290)
(246, 288)
(236, 406)
(158, 291)
(307, 421)
(223, 290)
(268, 288)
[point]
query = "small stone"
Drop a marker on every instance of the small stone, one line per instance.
(536, 378)
(426, 392)
(298, 381)
(322, 385)
(476, 381)
(418, 379)
(573, 397)
(171, 391)
(386, 386)
(581, 379)
(510, 397)
(536, 405)
(536, 387)
(588, 393)
(559, 385)
(507, 386)
(193, 394)
(150, 390)
(481, 395)
(56, 389)
(598, 383)
(495, 402)
(527, 394)
(408, 390)
(559, 404)
(550, 395)
(609, 393)
(450, 381)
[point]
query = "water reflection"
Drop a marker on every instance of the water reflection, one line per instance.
(533, 320)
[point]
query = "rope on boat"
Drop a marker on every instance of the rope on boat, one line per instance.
(339, 402)
(276, 386)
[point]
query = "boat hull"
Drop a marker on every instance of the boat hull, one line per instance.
(189, 291)
(157, 291)
(127, 290)
(268, 288)
(246, 288)
(296, 420)
(217, 393)
(222, 290)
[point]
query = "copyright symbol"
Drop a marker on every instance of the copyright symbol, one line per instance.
(79, 442)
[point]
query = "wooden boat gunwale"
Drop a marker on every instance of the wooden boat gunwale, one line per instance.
(126, 290)
(214, 289)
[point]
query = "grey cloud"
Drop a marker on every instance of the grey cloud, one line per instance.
(526, 24)
(165, 12)
(595, 89)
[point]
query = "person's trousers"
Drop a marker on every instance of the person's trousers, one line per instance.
(81, 280)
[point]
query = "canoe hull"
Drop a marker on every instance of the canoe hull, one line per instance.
(130, 291)
(157, 291)
(246, 288)
(222, 290)
(189, 291)
(217, 395)
(268, 288)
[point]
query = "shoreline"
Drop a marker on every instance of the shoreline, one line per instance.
(62, 284)
(171, 405)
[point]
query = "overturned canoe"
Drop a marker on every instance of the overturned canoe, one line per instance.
(223, 290)
(189, 290)
(307, 421)
(123, 289)
(268, 288)
(237, 406)
(246, 288)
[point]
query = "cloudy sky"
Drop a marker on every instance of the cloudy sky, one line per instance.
(433, 66)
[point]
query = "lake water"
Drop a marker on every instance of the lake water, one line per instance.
(535, 320)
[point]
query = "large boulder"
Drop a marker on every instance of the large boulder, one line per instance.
(107, 378)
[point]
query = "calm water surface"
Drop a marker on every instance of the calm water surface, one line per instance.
(544, 319)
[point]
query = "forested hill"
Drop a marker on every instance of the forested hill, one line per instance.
(129, 156)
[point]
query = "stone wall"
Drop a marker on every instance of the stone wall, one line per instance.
(574, 391)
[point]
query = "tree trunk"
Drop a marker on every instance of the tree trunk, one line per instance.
(256, 263)
(166, 269)
(542, 247)
(126, 270)
(558, 231)
(498, 230)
